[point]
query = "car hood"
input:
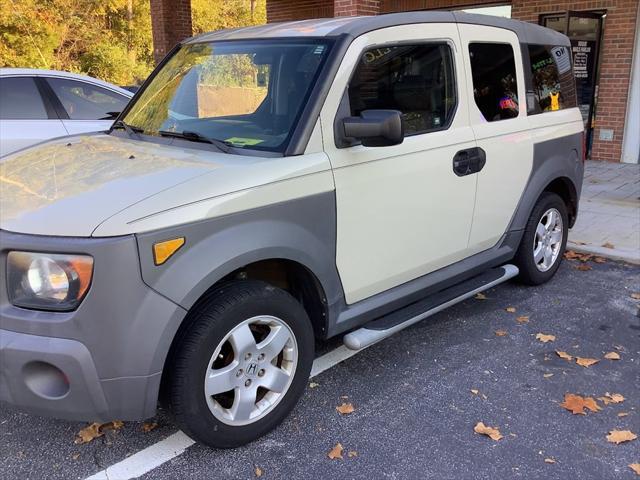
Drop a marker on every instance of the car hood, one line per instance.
(69, 186)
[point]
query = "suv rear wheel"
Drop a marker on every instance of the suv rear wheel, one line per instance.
(544, 240)
(242, 364)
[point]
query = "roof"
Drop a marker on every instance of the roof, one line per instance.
(356, 26)
(36, 72)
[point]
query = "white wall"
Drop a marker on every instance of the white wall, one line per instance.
(631, 143)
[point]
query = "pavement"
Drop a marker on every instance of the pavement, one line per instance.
(609, 215)
(414, 406)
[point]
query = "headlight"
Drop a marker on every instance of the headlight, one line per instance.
(48, 281)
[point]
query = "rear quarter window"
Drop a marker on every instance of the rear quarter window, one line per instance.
(554, 86)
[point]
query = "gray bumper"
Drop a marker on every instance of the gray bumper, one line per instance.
(100, 362)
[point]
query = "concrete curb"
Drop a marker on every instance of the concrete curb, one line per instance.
(624, 254)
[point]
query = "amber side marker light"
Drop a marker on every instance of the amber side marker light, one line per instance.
(162, 251)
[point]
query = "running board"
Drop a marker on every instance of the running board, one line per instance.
(386, 326)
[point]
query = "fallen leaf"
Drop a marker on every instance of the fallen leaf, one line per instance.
(635, 467)
(258, 472)
(88, 434)
(583, 268)
(492, 432)
(336, 452)
(75, 456)
(600, 260)
(621, 436)
(620, 348)
(474, 391)
(352, 454)
(571, 255)
(548, 375)
(511, 309)
(608, 245)
(612, 356)
(114, 425)
(544, 337)
(314, 385)
(623, 414)
(345, 408)
(501, 333)
(549, 460)
(522, 319)
(148, 426)
(635, 296)
(480, 296)
(576, 404)
(586, 362)
(611, 398)
(564, 355)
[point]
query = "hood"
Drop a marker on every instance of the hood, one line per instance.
(69, 186)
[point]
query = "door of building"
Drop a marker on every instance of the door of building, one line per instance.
(584, 29)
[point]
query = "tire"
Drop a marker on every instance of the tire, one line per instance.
(539, 239)
(217, 345)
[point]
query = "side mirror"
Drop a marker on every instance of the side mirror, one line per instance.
(375, 128)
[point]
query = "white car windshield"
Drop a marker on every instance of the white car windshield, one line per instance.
(247, 94)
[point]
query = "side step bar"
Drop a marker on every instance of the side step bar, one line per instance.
(386, 326)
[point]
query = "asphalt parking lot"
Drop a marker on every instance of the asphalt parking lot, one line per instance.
(414, 406)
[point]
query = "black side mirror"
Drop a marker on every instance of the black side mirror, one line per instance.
(375, 128)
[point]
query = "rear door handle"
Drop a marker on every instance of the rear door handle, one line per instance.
(468, 161)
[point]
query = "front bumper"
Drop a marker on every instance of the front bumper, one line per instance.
(100, 362)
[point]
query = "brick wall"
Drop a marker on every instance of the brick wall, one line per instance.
(170, 24)
(616, 49)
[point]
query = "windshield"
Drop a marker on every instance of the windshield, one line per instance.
(246, 94)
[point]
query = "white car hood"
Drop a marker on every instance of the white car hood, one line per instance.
(69, 186)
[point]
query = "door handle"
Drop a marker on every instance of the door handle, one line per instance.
(468, 161)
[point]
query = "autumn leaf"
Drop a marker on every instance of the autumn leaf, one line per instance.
(544, 338)
(583, 268)
(75, 456)
(621, 436)
(608, 245)
(623, 414)
(522, 319)
(511, 309)
(501, 333)
(576, 404)
(600, 260)
(635, 296)
(549, 460)
(148, 426)
(352, 454)
(571, 255)
(586, 362)
(492, 432)
(345, 408)
(336, 452)
(564, 355)
(474, 391)
(258, 471)
(612, 356)
(480, 296)
(611, 398)
(548, 375)
(314, 385)
(95, 430)
(635, 467)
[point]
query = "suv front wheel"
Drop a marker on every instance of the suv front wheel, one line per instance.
(544, 240)
(241, 365)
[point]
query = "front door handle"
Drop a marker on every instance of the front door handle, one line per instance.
(468, 161)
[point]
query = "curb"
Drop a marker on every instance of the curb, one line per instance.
(626, 255)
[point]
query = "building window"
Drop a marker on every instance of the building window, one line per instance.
(553, 83)
(495, 86)
(417, 80)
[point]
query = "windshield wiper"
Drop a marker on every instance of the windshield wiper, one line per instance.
(198, 137)
(130, 129)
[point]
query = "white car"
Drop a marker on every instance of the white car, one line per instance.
(37, 105)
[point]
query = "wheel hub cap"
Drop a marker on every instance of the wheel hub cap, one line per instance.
(548, 240)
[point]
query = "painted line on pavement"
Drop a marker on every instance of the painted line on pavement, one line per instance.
(175, 444)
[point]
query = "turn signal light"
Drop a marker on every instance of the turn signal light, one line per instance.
(162, 251)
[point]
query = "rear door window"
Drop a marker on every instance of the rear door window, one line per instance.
(20, 100)
(552, 77)
(495, 86)
(417, 80)
(83, 101)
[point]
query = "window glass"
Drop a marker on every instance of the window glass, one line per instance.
(495, 87)
(553, 83)
(248, 94)
(20, 99)
(84, 101)
(417, 80)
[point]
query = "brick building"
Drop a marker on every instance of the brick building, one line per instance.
(605, 37)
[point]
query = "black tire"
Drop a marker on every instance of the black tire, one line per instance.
(524, 259)
(209, 323)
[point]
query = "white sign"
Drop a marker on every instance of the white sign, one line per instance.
(562, 59)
